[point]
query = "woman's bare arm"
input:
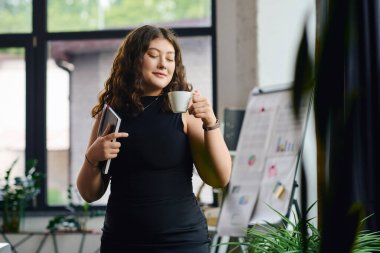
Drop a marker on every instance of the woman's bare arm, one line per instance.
(91, 183)
(210, 153)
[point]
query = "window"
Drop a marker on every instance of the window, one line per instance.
(68, 63)
(70, 15)
(15, 16)
(77, 69)
(12, 113)
(58, 139)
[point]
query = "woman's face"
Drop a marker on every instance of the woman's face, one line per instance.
(158, 66)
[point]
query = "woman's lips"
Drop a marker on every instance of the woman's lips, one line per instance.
(159, 74)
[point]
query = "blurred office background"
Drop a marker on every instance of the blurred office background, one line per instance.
(56, 54)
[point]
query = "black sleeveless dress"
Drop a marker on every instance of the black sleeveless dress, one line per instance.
(152, 207)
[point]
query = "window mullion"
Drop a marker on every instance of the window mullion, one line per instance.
(36, 94)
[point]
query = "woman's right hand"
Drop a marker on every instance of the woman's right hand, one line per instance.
(105, 147)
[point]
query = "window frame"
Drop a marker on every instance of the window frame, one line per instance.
(36, 46)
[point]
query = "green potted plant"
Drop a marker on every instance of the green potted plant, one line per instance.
(288, 236)
(76, 218)
(17, 194)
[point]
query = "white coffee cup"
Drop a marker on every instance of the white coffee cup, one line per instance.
(179, 100)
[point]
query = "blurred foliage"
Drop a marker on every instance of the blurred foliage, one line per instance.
(18, 52)
(15, 16)
(84, 15)
(18, 193)
(340, 208)
(75, 220)
(288, 237)
(56, 197)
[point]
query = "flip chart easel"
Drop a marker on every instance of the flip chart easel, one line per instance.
(267, 157)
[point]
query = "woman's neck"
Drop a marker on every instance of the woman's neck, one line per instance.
(153, 93)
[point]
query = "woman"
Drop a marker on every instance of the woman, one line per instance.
(152, 207)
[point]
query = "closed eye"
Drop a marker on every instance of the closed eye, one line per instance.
(153, 56)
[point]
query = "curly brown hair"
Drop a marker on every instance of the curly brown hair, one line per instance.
(123, 88)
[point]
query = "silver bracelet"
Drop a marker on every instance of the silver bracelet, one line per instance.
(206, 128)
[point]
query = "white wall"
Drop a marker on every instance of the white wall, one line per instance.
(280, 26)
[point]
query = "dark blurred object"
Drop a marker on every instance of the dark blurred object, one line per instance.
(347, 108)
(233, 119)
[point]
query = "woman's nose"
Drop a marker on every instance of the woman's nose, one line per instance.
(161, 64)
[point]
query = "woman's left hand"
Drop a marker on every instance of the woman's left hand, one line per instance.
(201, 108)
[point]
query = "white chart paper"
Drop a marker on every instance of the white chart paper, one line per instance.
(265, 163)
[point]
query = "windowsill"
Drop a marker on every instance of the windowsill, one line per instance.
(38, 223)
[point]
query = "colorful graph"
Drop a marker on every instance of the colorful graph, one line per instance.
(243, 200)
(272, 171)
(284, 145)
(251, 160)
